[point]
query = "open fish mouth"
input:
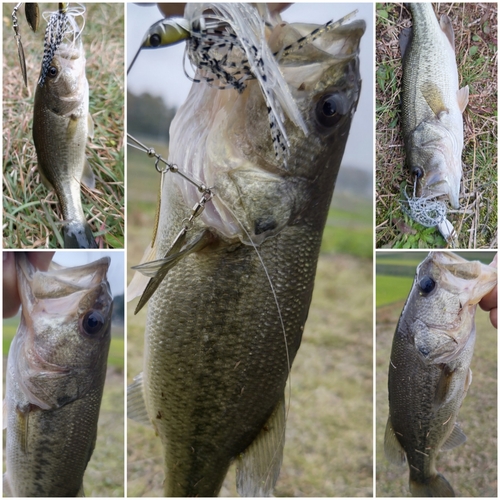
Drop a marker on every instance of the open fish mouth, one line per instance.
(471, 280)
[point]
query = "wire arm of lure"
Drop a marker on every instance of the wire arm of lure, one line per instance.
(164, 33)
(170, 167)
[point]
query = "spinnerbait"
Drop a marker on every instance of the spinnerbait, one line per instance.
(227, 43)
(429, 213)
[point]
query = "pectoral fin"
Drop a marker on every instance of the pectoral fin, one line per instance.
(456, 438)
(443, 388)
(393, 450)
(434, 98)
(258, 468)
(463, 98)
(88, 177)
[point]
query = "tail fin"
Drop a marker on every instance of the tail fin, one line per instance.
(436, 486)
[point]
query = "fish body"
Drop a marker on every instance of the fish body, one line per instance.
(55, 377)
(61, 125)
(429, 371)
(432, 106)
(226, 322)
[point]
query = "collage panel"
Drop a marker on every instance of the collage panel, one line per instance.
(436, 125)
(63, 360)
(228, 292)
(436, 374)
(63, 125)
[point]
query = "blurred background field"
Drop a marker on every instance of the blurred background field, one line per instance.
(31, 214)
(328, 450)
(471, 468)
(475, 29)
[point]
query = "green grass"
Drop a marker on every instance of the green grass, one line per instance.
(32, 217)
(349, 230)
(476, 49)
(391, 289)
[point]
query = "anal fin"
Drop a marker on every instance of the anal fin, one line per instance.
(258, 468)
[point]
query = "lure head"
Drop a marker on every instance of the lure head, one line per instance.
(163, 34)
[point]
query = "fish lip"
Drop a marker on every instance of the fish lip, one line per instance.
(440, 182)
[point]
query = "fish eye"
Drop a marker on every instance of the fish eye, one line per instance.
(155, 40)
(52, 71)
(92, 322)
(330, 109)
(426, 285)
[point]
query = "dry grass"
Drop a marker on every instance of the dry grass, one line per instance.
(31, 215)
(475, 28)
(472, 467)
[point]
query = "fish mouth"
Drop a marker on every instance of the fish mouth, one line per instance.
(470, 280)
(441, 183)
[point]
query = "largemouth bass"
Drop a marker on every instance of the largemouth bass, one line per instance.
(432, 106)
(61, 125)
(429, 371)
(55, 377)
(226, 321)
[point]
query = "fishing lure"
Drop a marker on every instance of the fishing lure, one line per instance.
(32, 13)
(429, 213)
(227, 44)
(61, 24)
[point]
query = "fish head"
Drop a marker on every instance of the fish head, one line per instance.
(224, 137)
(64, 338)
(65, 89)
(444, 296)
(434, 158)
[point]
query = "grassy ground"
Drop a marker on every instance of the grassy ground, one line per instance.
(328, 449)
(471, 468)
(32, 217)
(475, 28)
(104, 476)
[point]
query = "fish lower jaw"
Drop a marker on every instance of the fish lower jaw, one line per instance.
(442, 188)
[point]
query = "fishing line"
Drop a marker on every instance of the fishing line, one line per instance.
(282, 326)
